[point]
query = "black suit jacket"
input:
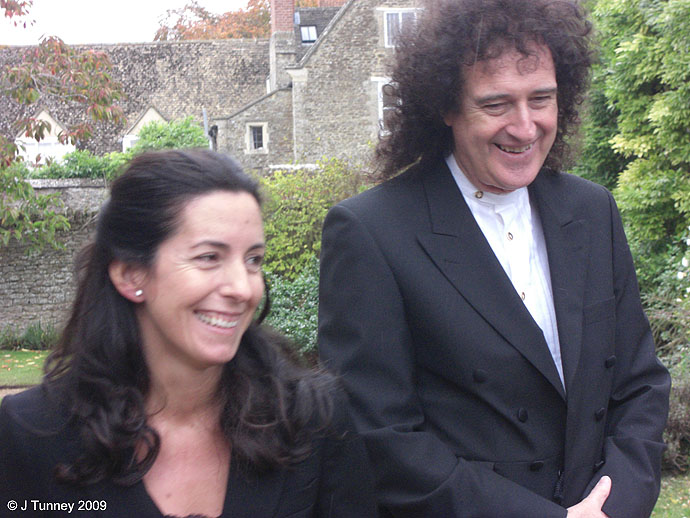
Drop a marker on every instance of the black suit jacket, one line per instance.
(333, 482)
(450, 378)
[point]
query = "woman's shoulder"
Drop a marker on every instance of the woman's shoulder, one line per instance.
(35, 410)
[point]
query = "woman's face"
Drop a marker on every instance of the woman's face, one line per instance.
(202, 290)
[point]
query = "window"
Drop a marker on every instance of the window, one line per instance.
(386, 103)
(257, 138)
(308, 33)
(394, 21)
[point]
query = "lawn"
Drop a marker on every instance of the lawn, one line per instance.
(674, 501)
(21, 368)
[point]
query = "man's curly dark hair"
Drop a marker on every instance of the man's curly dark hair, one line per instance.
(427, 77)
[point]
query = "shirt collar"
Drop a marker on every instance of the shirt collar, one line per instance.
(518, 198)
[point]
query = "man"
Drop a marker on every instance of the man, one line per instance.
(482, 307)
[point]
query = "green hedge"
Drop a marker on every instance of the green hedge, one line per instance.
(295, 307)
(295, 206)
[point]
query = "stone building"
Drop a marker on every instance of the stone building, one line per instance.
(312, 90)
(325, 100)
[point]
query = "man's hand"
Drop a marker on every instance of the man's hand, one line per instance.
(590, 507)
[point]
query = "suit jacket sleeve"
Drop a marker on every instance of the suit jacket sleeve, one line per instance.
(364, 337)
(638, 404)
(346, 484)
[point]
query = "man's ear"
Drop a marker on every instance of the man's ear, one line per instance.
(128, 280)
(449, 118)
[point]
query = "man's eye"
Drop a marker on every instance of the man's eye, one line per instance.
(495, 107)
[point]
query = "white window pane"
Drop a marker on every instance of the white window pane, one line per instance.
(393, 28)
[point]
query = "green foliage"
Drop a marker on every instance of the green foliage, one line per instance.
(184, 133)
(295, 305)
(35, 337)
(27, 217)
(295, 207)
(645, 78)
(598, 161)
(677, 432)
(82, 164)
(178, 134)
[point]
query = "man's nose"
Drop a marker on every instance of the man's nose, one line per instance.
(522, 124)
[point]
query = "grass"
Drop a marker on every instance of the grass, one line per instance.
(674, 500)
(21, 368)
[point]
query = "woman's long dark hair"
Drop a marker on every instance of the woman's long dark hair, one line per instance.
(427, 77)
(270, 405)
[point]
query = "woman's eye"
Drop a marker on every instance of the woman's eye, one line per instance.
(254, 262)
(207, 258)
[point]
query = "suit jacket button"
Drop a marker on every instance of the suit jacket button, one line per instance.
(480, 376)
(522, 414)
(536, 465)
(599, 414)
(610, 362)
(599, 465)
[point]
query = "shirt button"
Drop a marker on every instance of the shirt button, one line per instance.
(522, 295)
(479, 195)
(522, 415)
(510, 236)
(536, 465)
(480, 376)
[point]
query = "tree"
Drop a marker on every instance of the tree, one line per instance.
(79, 78)
(193, 22)
(645, 79)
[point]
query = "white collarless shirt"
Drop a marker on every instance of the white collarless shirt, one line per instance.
(514, 232)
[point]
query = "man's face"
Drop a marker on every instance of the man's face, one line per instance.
(507, 120)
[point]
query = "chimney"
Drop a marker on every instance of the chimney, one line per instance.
(282, 16)
(282, 44)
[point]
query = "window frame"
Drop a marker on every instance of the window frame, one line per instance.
(310, 29)
(250, 142)
(400, 12)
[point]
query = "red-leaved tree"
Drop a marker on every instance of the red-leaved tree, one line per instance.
(78, 77)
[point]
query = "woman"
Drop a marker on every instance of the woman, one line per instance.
(164, 396)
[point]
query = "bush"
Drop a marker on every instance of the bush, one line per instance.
(294, 307)
(677, 432)
(82, 164)
(184, 133)
(295, 206)
(36, 337)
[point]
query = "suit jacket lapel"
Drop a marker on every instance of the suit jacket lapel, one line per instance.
(459, 249)
(567, 241)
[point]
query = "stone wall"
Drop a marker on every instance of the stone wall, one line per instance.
(38, 288)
